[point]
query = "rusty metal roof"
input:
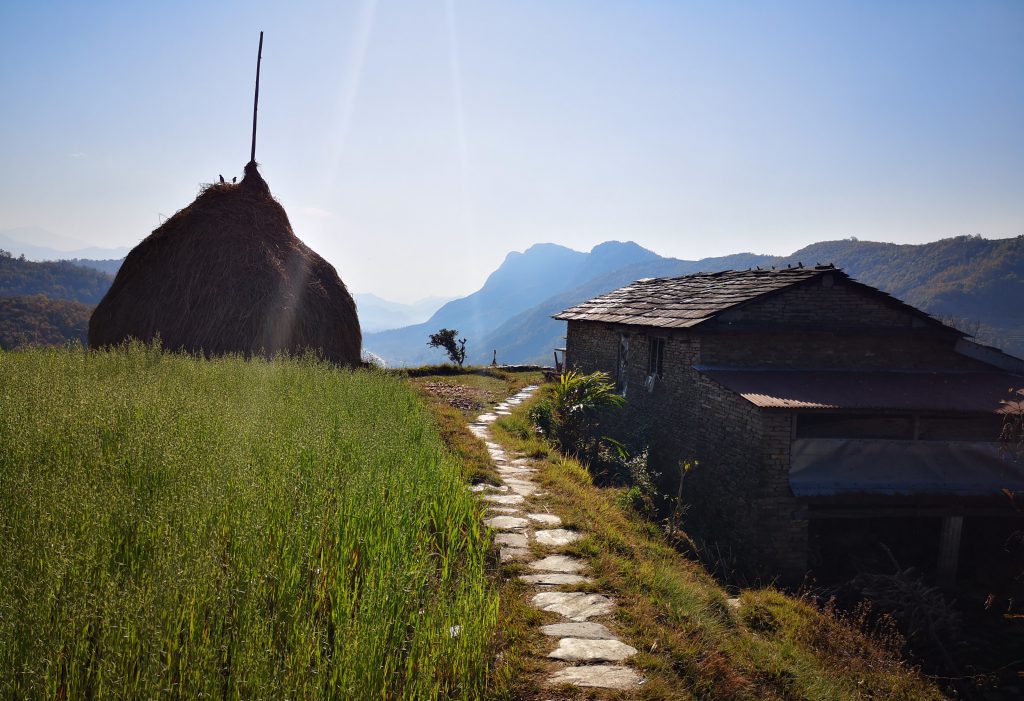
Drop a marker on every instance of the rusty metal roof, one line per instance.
(870, 390)
(682, 302)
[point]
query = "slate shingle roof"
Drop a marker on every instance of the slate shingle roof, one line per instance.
(681, 302)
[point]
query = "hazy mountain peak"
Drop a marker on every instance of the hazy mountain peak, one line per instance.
(546, 248)
(630, 248)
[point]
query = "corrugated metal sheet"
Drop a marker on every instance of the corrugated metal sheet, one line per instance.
(864, 390)
(834, 466)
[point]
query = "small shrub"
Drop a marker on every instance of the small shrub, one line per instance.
(572, 419)
(543, 418)
(634, 499)
(446, 339)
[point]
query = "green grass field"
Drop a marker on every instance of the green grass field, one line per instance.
(173, 527)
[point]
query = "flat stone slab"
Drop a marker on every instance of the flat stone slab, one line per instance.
(523, 490)
(484, 487)
(574, 605)
(580, 650)
(504, 499)
(514, 472)
(506, 523)
(585, 629)
(555, 563)
(509, 554)
(520, 482)
(511, 510)
(486, 418)
(599, 676)
(555, 579)
(514, 540)
(546, 519)
(553, 537)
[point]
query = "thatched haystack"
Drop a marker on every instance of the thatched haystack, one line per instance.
(227, 275)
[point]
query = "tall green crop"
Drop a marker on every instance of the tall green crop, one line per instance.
(184, 528)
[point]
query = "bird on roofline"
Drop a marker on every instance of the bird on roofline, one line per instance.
(222, 181)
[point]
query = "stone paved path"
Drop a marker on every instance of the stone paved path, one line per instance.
(588, 653)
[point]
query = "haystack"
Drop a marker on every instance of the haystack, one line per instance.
(227, 275)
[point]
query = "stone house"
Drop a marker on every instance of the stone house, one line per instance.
(818, 407)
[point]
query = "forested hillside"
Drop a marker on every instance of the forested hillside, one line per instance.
(55, 279)
(41, 321)
(110, 266)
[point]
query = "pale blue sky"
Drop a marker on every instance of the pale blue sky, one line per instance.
(415, 143)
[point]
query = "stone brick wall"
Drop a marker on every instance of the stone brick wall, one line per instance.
(591, 347)
(828, 301)
(835, 325)
(739, 496)
(910, 350)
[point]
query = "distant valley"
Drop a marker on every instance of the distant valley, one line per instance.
(378, 314)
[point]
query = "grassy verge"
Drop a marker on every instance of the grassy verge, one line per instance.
(694, 641)
(182, 528)
(456, 397)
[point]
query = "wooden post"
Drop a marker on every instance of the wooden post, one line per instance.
(256, 100)
(949, 550)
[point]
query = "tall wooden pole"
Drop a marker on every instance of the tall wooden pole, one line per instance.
(256, 100)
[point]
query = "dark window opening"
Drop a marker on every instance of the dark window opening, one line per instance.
(656, 359)
(622, 365)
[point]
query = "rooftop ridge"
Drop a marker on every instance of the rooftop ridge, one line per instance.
(687, 301)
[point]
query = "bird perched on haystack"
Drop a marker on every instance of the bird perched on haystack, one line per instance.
(222, 180)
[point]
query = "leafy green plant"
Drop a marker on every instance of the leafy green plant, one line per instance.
(542, 416)
(578, 404)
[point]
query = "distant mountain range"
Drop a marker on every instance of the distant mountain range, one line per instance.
(969, 281)
(378, 314)
(36, 243)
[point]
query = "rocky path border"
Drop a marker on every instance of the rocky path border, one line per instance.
(589, 653)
